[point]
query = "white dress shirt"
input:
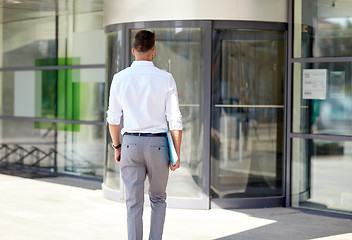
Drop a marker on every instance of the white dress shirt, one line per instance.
(147, 97)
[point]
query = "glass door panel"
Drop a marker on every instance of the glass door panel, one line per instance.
(247, 113)
(180, 52)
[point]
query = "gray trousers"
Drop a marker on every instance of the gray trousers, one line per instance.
(141, 157)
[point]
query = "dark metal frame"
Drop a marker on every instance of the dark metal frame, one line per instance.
(288, 106)
(37, 68)
(29, 119)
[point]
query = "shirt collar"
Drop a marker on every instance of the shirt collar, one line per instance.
(142, 63)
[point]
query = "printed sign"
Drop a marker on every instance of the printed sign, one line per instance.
(314, 83)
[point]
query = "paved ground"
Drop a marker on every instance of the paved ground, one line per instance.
(38, 210)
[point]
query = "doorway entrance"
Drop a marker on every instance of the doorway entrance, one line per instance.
(231, 78)
(247, 132)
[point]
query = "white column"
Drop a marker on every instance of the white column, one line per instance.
(120, 11)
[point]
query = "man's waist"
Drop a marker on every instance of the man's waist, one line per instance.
(145, 134)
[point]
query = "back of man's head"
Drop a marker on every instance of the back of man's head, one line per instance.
(144, 41)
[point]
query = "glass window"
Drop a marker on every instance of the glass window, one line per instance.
(179, 51)
(114, 64)
(247, 113)
(322, 98)
(52, 148)
(321, 175)
(80, 94)
(25, 146)
(80, 32)
(114, 52)
(24, 42)
(29, 93)
(322, 28)
(63, 34)
(80, 149)
(30, 34)
(70, 94)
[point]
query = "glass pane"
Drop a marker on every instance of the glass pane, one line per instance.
(47, 148)
(27, 150)
(114, 64)
(80, 149)
(321, 175)
(25, 42)
(322, 98)
(179, 51)
(31, 32)
(70, 94)
(114, 50)
(80, 94)
(80, 31)
(29, 93)
(322, 28)
(82, 38)
(247, 113)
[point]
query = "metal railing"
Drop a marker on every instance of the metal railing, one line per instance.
(33, 162)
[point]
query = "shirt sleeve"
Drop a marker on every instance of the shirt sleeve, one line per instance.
(114, 112)
(173, 114)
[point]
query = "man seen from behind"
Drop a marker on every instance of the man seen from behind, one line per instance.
(147, 98)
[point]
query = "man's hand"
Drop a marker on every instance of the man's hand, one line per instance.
(118, 154)
(115, 137)
(176, 138)
(177, 165)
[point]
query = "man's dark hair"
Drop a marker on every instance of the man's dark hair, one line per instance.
(144, 41)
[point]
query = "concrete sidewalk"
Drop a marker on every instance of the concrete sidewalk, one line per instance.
(39, 210)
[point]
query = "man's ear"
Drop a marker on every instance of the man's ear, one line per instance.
(133, 52)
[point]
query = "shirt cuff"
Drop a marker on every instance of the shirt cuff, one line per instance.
(113, 120)
(175, 125)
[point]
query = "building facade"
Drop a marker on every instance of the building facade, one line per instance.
(52, 88)
(264, 90)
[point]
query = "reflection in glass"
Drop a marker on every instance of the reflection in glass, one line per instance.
(44, 38)
(247, 113)
(179, 51)
(55, 148)
(321, 175)
(317, 114)
(80, 94)
(114, 64)
(80, 150)
(29, 93)
(323, 28)
(26, 41)
(69, 94)
(79, 42)
(40, 36)
(26, 149)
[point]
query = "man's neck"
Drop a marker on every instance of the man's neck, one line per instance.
(143, 56)
(144, 59)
